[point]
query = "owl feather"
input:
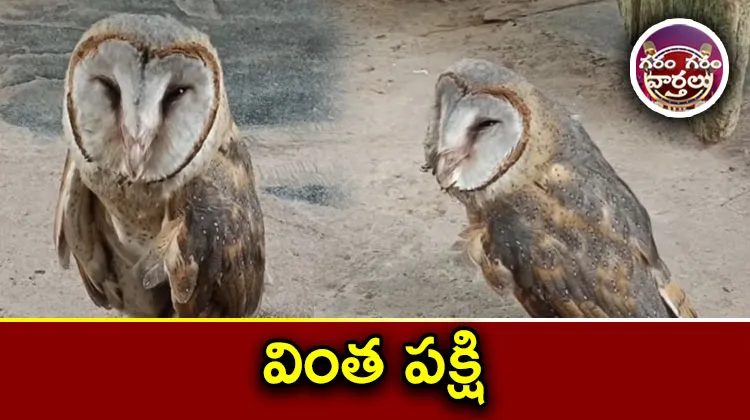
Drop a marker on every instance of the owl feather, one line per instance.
(157, 202)
(548, 214)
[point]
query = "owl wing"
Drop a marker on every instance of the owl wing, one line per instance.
(543, 291)
(564, 282)
(618, 271)
(554, 281)
(636, 230)
(552, 277)
(670, 291)
(213, 245)
(553, 284)
(213, 256)
(76, 233)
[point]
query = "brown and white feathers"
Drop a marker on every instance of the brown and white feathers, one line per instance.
(157, 187)
(549, 217)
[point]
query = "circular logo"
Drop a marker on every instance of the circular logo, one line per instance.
(679, 68)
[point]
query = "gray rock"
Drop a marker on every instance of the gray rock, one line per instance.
(38, 106)
(277, 55)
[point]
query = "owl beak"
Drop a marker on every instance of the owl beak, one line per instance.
(447, 171)
(134, 161)
(136, 154)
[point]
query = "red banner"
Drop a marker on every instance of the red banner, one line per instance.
(501, 370)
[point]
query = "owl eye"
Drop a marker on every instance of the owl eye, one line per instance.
(172, 95)
(484, 124)
(111, 90)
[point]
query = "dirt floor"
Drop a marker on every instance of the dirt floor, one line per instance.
(354, 229)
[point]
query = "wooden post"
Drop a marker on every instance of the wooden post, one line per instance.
(730, 20)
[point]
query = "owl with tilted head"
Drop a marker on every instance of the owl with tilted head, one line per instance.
(157, 202)
(549, 218)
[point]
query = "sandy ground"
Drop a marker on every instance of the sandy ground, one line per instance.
(353, 228)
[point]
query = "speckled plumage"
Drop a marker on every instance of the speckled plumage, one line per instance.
(556, 224)
(178, 231)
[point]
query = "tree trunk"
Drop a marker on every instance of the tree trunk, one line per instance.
(730, 20)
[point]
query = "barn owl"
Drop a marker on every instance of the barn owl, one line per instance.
(548, 216)
(157, 201)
